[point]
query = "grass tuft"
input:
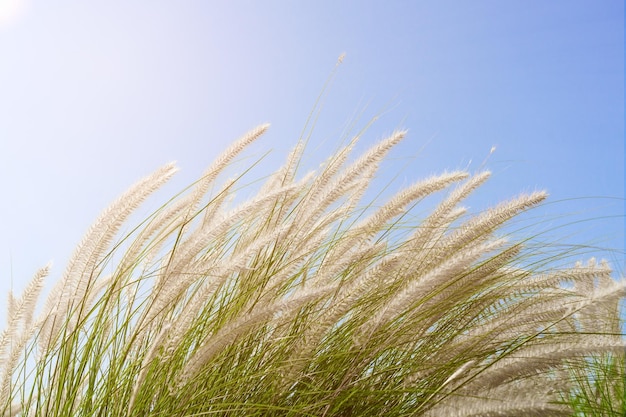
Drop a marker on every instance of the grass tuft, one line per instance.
(306, 301)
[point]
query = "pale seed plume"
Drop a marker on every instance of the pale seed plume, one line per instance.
(307, 299)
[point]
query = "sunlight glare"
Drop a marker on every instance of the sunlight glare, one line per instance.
(11, 11)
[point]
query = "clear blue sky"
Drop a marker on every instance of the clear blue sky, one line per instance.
(95, 94)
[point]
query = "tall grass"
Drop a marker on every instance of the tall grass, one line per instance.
(307, 301)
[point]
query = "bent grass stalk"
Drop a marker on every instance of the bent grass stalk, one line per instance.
(291, 304)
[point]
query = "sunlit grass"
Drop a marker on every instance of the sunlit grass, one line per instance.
(306, 299)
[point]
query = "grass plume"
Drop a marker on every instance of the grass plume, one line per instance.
(301, 302)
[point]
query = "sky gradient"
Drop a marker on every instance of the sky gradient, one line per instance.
(95, 95)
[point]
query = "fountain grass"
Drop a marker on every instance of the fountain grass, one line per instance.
(307, 300)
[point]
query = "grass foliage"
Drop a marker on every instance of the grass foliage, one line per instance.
(306, 301)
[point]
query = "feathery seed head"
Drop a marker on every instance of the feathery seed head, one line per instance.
(290, 302)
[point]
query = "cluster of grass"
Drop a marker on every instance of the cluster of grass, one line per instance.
(305, 301)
